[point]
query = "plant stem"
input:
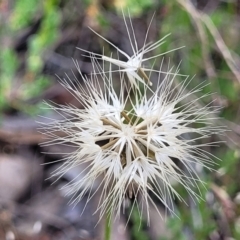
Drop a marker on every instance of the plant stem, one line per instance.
(108, 226)
(123, 114)
(142, 74)
(108, 122)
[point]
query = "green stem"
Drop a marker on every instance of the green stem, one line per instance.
(108, 226)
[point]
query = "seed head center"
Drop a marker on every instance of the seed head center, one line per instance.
(128, 130)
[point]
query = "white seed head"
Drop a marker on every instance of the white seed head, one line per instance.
(138, 143)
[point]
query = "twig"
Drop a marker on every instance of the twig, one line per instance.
(222, 46)
(196, 16)
(202, 17)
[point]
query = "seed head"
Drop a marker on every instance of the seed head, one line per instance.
(137, 142)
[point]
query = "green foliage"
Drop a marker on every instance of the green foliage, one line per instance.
(29, 90)
(47, 35)
(228, 89)
(24, 13)
(176, 228)
(104, 23)
(8, 62)
(8, 67)
(136, 7)
(137, 229)
(229, 168)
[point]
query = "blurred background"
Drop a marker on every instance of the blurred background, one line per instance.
(39, 39)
